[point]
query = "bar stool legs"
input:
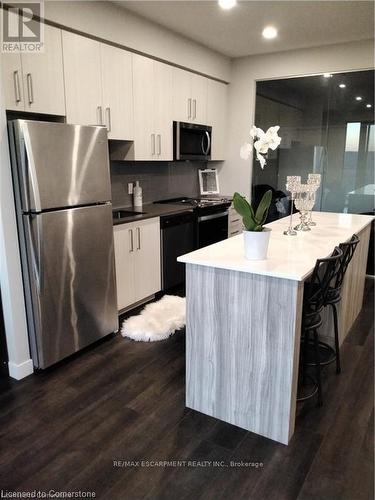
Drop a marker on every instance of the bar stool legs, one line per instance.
(305, 346)
(317, 367)
(337, 343)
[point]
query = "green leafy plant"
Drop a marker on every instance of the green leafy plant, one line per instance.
(253, 221)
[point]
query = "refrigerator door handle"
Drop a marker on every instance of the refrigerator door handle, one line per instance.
(36, 253)
(39, 230)
(25, 192)
(29, 171)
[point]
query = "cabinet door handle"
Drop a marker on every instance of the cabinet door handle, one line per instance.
(195, 109)
(159, 144)
(99, 115)
(131, 241)
(152, 144)
(30, 92)
(189, 108)
(139, 238)
(16, 81)
(109, 124)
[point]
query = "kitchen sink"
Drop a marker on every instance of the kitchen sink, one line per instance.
(122, 214)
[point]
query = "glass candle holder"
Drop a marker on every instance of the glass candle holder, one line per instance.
(313, 180)
(304, 203)
(292, 185)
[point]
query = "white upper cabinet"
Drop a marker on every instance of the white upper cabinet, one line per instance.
(144, 134)
(98, 85)
(217, 118)
(163, 122)
(13, 81)
(34, 82)
(43, 76)
(83, 86)
(135, 97)
(117, 84)
(182, 101)
(199, 98)
(189, 97)
(152, 86)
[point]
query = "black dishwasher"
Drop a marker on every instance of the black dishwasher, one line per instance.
(178, 236)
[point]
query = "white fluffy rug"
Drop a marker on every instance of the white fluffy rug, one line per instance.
(157, 321)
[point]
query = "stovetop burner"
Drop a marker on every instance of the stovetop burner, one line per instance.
(197, 202)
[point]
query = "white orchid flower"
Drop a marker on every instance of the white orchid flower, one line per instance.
(256, 132)
(261, 146)
(272, 138)
(266, 140)
(261, 160)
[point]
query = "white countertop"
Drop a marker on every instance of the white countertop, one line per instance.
(289, 257)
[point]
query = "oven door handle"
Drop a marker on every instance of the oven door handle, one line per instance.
(212, 216)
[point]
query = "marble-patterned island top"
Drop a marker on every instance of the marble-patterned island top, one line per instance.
(289, 257)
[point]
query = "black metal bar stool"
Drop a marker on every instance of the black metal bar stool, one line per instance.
(315, 294)
(328, 354)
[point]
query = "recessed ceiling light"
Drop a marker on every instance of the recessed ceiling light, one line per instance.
(358, 98)
(342, 86)
(269, 32)
(227, 4)
(368, 105)
(327, 75)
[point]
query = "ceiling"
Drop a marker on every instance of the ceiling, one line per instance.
(237, 32)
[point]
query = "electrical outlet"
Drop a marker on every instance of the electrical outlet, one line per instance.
(130, 188)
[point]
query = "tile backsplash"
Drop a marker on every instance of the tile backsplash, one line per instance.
(159, 180)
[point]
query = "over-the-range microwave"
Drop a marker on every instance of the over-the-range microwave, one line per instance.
(191, 141)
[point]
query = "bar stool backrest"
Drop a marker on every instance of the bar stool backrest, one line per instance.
(348, 249)
(325, 271)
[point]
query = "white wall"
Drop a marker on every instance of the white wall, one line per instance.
(113, 23)
(20, 364)
(235, 173)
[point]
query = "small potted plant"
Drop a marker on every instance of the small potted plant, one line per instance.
(256, 236)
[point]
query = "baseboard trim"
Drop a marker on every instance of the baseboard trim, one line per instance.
(22, 370)
(136, 304)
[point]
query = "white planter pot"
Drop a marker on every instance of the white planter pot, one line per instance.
(256, 244)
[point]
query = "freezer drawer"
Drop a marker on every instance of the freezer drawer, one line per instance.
(60, 165)
(72, 281)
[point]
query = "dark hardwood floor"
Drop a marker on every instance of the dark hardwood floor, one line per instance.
(124, 401)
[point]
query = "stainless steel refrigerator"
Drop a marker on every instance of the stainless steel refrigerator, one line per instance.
(64, 214)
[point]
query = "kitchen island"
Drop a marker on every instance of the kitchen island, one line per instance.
(244, 321)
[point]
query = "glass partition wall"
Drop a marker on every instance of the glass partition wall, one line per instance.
(327, 127)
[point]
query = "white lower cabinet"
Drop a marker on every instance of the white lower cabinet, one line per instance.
(235, 225)
(137, 257)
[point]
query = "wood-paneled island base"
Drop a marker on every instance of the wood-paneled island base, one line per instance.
(244, 321)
